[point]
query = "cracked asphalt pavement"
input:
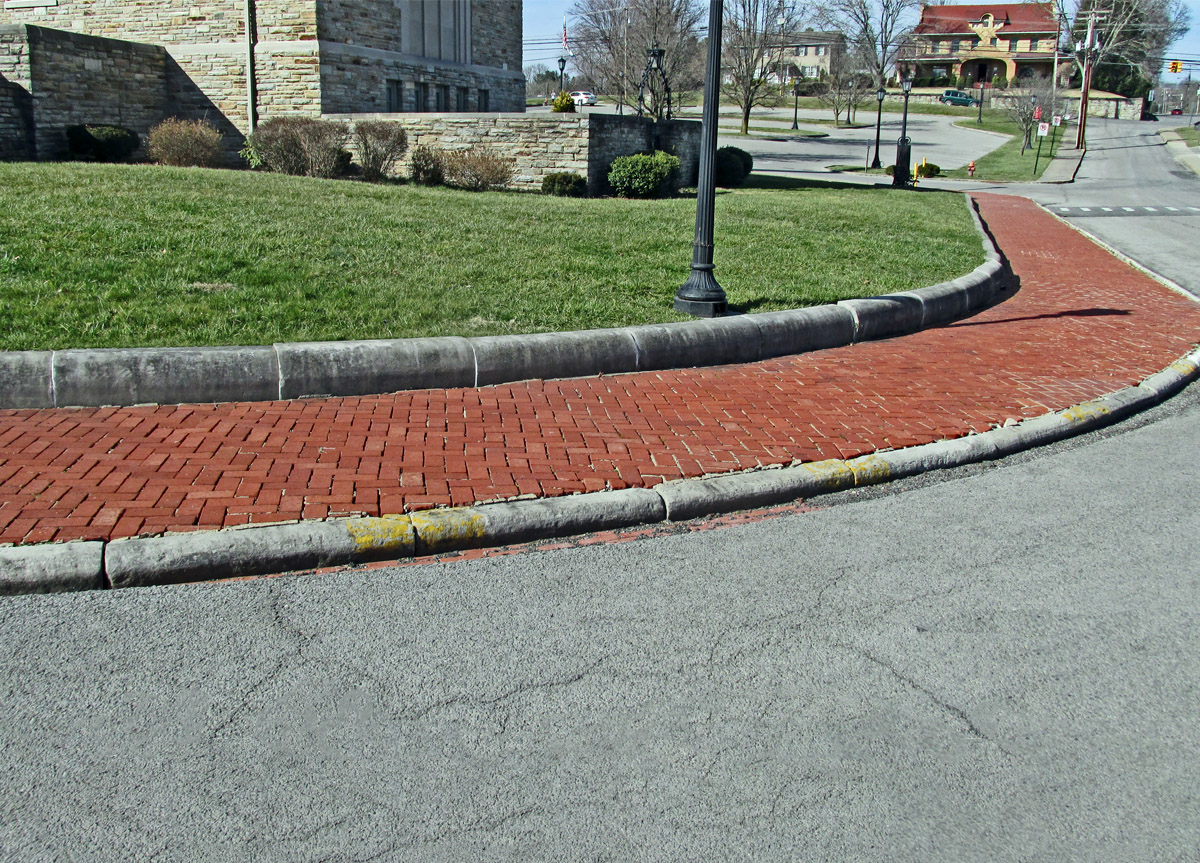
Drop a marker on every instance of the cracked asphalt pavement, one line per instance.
(997, 663)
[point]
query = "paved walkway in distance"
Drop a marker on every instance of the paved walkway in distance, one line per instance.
(1082, 324)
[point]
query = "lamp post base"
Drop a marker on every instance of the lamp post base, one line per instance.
(701, 296)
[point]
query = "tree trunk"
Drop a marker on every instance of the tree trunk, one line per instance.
(746, 120)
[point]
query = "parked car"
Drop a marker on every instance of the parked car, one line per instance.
(1176, 112)
(957, 97)
(583, 97)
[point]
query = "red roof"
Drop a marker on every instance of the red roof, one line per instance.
(1016, 18)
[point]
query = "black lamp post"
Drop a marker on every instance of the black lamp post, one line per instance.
(900, 177)
(796, 103)
(1034, 112)
(880, 94)
(850, 107)
(562, 69)
(700, 295)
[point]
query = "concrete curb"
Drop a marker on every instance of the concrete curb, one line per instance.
(1179, 149)
(270, 549)
(134, 376)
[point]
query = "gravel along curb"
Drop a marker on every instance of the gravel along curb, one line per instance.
(201, 556)
(135, 376)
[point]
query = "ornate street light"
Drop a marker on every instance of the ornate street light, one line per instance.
(700, 295)
(880, 94)
(796, 103)
(900, 176)
(654, 67)
(562, 68)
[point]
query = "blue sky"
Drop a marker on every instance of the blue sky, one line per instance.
(544, 21)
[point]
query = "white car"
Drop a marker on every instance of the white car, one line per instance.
(583, 97)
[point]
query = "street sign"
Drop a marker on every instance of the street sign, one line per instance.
(1043, 130)
(1056, 120)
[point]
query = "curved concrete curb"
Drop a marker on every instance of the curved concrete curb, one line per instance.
(176, 558)
(1179, 149)
(133, 376)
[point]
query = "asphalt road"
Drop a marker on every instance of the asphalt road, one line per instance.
(998, 663)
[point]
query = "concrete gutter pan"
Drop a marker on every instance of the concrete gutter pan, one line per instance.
(138, 376)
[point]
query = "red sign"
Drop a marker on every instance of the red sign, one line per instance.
(1037, 112)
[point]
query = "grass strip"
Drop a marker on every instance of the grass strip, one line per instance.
(132, 256)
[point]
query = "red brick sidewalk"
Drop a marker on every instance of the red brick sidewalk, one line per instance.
(1083, 324)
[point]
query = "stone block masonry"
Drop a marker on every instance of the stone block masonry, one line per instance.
(541, 144)
(61, 78)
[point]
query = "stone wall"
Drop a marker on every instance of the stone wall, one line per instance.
(72, 79)
(496, 36)
(540, 144)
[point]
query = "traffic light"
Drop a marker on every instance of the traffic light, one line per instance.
(1176, 66)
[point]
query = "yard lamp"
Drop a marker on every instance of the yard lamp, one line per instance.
(880, 95)
(900, 176)
(562, 70)
(701, 295)
(796, 104)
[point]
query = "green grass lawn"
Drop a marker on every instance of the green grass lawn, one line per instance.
(1007, 163)
(124, 256)
(1190, 135)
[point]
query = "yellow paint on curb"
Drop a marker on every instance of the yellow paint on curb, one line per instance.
(447, 529)
(393, 533)
(1084, 412)
(1184, 367)
(831, 474)
(870, 469)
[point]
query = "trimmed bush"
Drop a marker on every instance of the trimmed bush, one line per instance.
(102, 143)
(479, 169)
(564, 184)
(645, 176)
(379, 144)
(427, 166)
(563, 103)
(729, 168)
(747, 159)
(299, 146)
(928, 170)
(186, 144)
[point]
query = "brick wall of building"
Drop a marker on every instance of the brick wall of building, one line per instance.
(496, 34)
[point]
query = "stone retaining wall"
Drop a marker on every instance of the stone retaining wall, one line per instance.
(69, 79)
(541, 144)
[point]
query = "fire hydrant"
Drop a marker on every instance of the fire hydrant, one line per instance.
(971, 169)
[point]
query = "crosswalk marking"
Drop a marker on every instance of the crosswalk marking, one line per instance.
(1120, 210)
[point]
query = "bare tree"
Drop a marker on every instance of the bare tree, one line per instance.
(840, 88)
(612, 37)
(1021, 105)
(752, 30)
(875, 30)
(1132, 33)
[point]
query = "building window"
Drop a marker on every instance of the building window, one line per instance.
(485, 100)
(460, 99)
(422, 98)
(802, 51)
(820, 50)
(954, 46)
(443, 99)
(1035, 45)
(395, 96)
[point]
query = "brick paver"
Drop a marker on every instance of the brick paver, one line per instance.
(1082, 324)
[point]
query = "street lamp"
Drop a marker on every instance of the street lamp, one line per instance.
(562, 68)
(880, 94)
(701, 295)
(850, 107)
(654, 65)
(796, 104)
(900, 176)
(1036, 116)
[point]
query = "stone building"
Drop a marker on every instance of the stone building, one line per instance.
(806, 54)
(238, 61)
(983, 43)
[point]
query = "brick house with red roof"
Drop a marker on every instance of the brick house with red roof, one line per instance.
(984, 42)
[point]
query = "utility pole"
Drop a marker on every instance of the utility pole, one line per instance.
(1081, 135)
